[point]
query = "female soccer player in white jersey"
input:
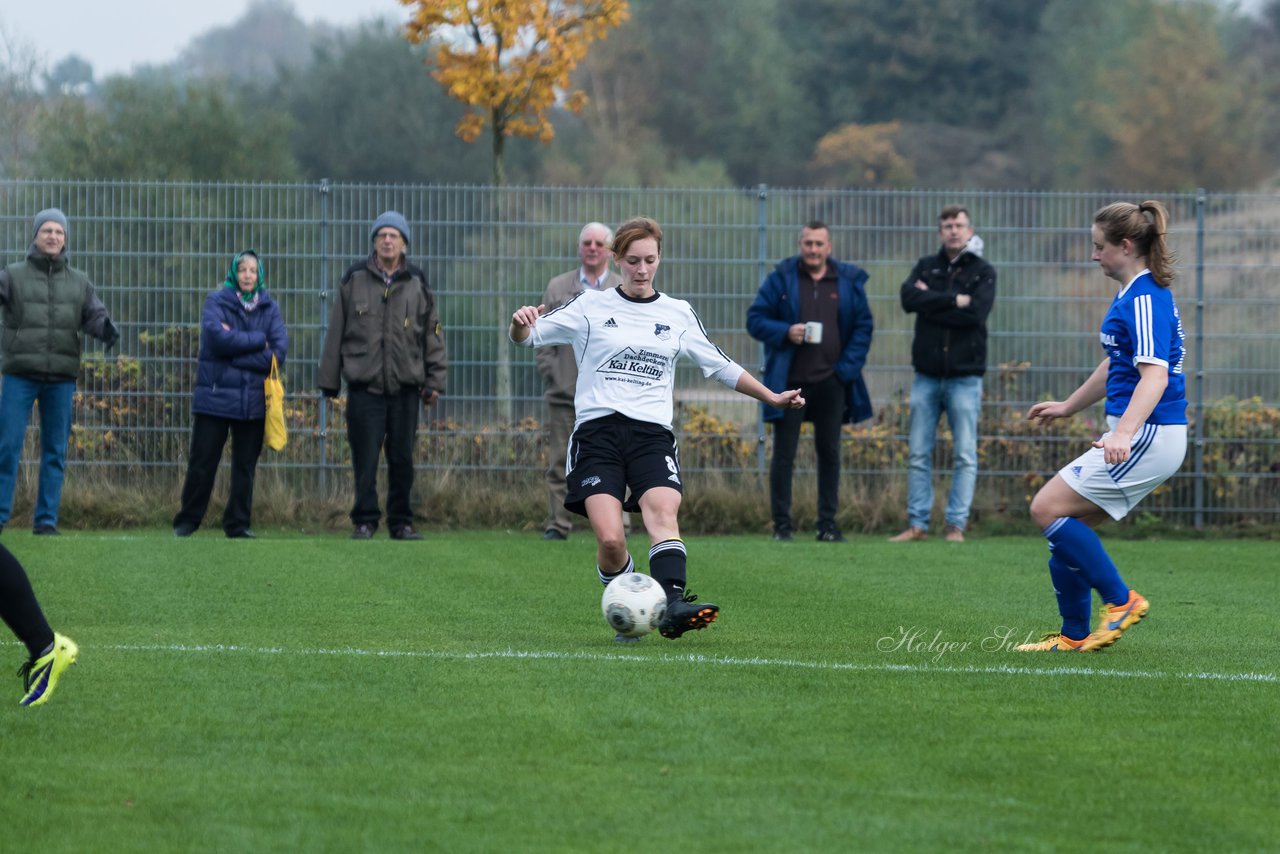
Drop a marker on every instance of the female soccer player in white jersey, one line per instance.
(622, 453)
(1142, 380)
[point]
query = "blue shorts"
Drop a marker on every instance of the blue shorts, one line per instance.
(1156, 453)
(622, 457)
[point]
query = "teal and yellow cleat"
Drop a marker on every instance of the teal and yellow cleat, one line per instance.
(1052, 642)
(1116, 620)
(40, 676)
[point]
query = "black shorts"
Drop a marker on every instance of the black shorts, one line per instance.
(622, 457)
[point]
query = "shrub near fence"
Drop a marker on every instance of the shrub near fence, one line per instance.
(727, 495)
(154, 250)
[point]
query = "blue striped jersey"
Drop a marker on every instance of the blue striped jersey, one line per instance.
(1143, 325)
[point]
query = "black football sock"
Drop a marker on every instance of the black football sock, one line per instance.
(667, 566)
(19, 608)
(606, 577)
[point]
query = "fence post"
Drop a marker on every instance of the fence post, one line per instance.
(323, 403)
(1198, 433)
(762, 246)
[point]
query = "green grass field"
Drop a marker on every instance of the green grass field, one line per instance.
(464, 694)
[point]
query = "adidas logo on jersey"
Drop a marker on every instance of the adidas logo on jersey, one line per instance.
(611, 324)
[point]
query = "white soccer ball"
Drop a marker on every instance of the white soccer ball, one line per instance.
(633, 604)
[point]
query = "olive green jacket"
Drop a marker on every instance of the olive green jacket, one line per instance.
(47, 306)
(386, 338)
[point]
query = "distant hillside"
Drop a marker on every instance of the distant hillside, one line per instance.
(269, 35)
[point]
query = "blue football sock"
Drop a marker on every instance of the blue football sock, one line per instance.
(1074, 598)
(1078, 546)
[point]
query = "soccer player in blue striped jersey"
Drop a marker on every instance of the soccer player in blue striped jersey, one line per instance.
(622, 452)
(1142, 379)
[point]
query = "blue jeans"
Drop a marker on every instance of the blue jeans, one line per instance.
(16, 398)
(961, 399)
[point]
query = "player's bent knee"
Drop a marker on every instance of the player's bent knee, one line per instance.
(613, 549)
(1044, 509)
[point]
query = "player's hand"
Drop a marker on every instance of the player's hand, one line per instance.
(790, 400)
(1047, 410)
(429, 397)
(1115, 448)
(527, 315)
(796, 333)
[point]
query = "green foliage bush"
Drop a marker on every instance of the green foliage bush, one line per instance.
(131, 438)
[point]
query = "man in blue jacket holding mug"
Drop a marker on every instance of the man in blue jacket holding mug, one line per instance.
(813, 317)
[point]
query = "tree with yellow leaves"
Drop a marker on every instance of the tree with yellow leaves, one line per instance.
(856, 155)
(509, 61)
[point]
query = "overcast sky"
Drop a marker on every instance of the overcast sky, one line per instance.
(116, 35)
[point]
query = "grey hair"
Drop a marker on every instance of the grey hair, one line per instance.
(607, 230)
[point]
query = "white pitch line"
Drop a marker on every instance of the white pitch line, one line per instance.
(695, 658)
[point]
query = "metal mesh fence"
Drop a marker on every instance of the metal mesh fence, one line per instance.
(155, 250)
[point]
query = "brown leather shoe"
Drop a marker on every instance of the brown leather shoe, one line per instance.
(954, 534)
(911, 535)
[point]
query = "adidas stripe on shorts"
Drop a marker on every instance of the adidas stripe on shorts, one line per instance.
(1156, 453)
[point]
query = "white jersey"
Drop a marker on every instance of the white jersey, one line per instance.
(626, 350)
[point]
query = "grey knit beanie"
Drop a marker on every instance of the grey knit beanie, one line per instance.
(48, 215)
(390, 219)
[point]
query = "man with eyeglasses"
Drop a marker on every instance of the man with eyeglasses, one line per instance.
(950, 292)
(559, 370)
(48, 308)
(386, 343)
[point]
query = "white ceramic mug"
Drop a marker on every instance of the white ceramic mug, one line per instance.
(813, 332)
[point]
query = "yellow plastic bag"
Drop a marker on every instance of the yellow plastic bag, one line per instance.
(276, 435)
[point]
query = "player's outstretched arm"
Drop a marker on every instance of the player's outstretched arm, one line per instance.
(752, 387)
(1090, 392)
(522, 321)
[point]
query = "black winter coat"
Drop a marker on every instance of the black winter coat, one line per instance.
(950, 341)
